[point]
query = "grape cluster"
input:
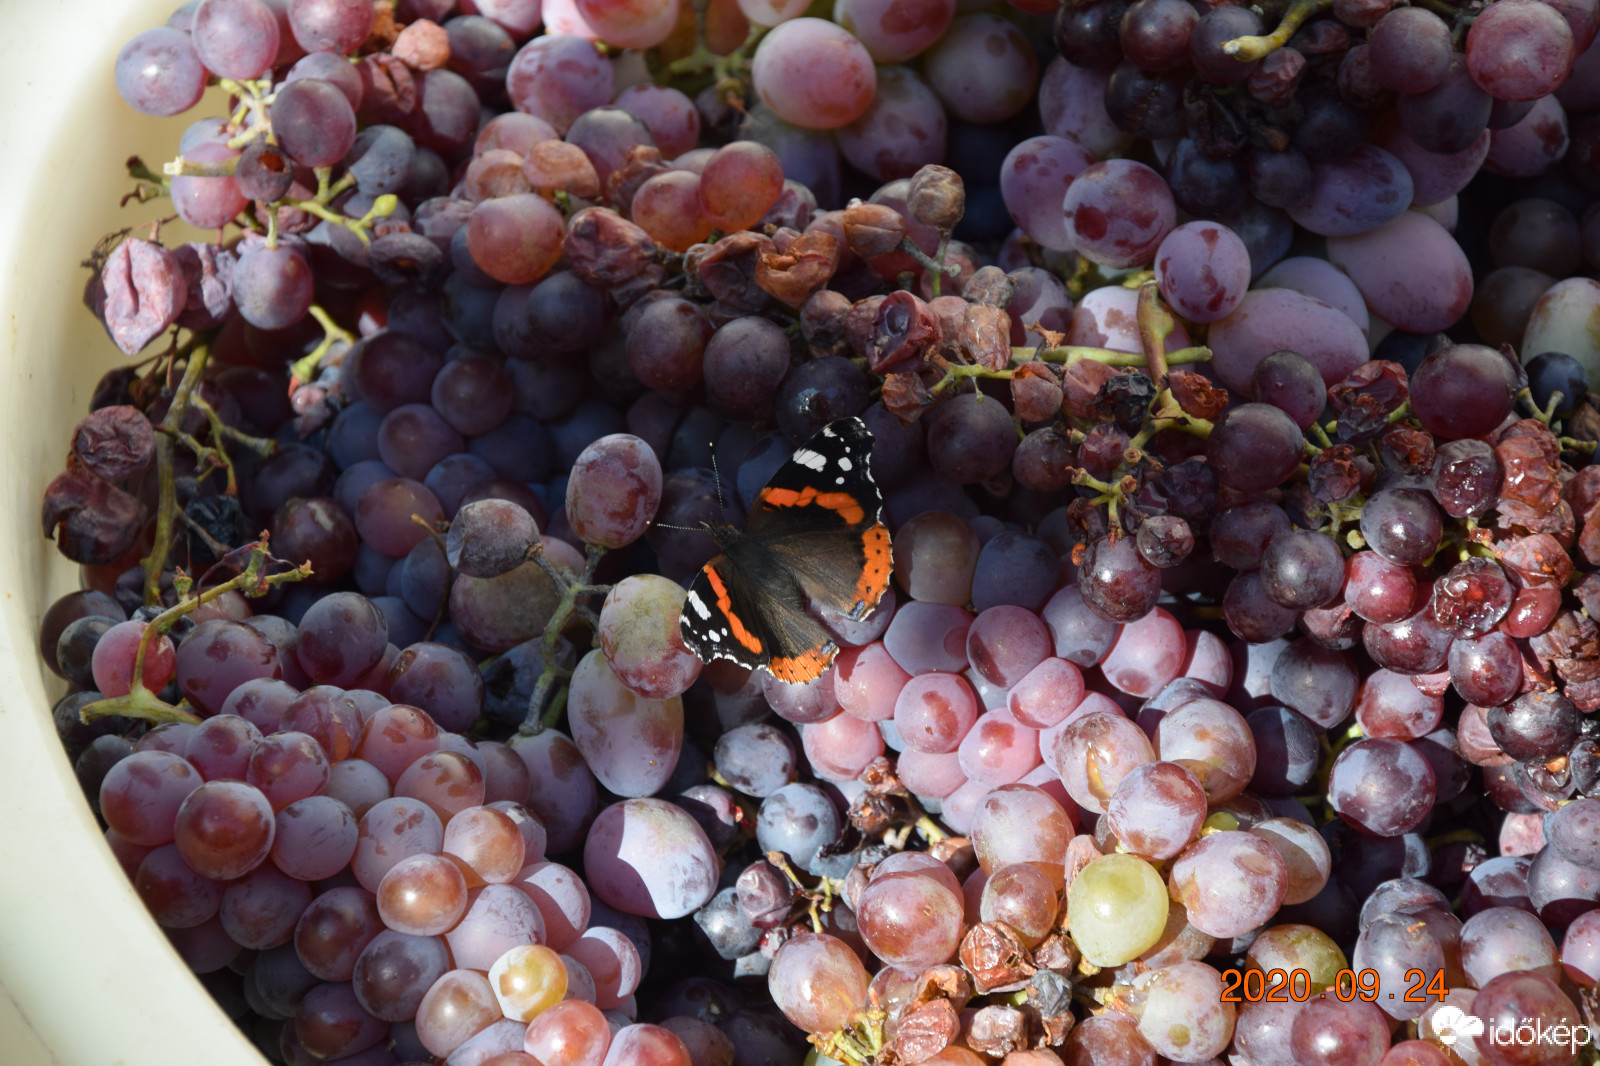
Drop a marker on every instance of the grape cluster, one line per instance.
(1228, 376)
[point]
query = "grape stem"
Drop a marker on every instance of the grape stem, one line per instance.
(537, 719)
(304, 370)
(1155, 325)
(167, 493)
(934, 262)
(450, 575)
(139, 701)
(1250, 49)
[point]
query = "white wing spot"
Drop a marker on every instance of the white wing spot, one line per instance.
(810, 459)
(845, 463)
(838, 481)
(827, 431)
(714, 636)
(699, 606)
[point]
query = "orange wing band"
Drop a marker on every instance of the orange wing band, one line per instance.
(843, 504)
(735, 625)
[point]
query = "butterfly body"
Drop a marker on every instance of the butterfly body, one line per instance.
(813, 538)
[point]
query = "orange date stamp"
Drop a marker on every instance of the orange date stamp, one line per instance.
(1297, 986)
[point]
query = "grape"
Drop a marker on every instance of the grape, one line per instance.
(1401, 525)
(936, 555)
(1302, 569)
(334, 930)
(422, 895)
(636, 24)
(224, 829)
(1513, 1000)
(1304, 853)
(460, 1005)
(447, 781)
(1255, 448)
(1157, 810)
(313, 122)
(910, 920)
(1355, 194)
(331, 1022)
(817, 981)
(1094, 753)
(176, 896)
(631, 744)
(562, 790)
(1271, 320)
(1537, 725)
(260, 909)
(1116, 582)
(668, 207)
(235, 38)
(614, 490)
(1148, 654)
(1522, 52)
(842, 747)
(140, 795)
(515, 239)
(1185, 1016)
(1230, 882)
(813, 74)
(1410, 49)
(158, 72)
(1381, 785)
(115, 652)
(671, 118)
(1382, 262)
(647, 857)
(934, 711)
(1102, 225)
(272, 287)
(987, 89)
(330, 25)
(640, 636)
(342, 636)
(572, 1031)
(1533, 144)
(1462, 391)
(1391, 706)
(755, 759)
(1021, 896)
(1330, 1031)
(1203, 270)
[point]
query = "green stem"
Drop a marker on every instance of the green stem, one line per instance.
(304, 370)
(535, 721)
(1155, 325)
(938, 266)
(1250, 49)
(1072, 353)
(167, 492)
(140, 702)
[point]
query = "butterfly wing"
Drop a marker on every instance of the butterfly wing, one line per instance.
(820, 516)
(754, 621)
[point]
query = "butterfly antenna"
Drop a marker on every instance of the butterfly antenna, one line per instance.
(717, 477)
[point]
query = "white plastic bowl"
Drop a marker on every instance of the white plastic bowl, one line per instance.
(86, 979)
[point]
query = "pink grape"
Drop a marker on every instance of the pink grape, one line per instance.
(559, 77)
(114, 656)
(648, 857)
(1382, 262)
(983, 68)
(1118, 213)
(631, 744)
(637, 24)
(817, 982)
(813, 74)
(1095, 752)
(1203, 270)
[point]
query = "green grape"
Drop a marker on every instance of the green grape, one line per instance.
(1117, 907)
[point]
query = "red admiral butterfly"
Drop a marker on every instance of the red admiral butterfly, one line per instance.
(814, 536)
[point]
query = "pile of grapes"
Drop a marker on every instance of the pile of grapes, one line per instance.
(1227, 370)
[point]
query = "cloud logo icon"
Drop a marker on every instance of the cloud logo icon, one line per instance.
(1452, 1023)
